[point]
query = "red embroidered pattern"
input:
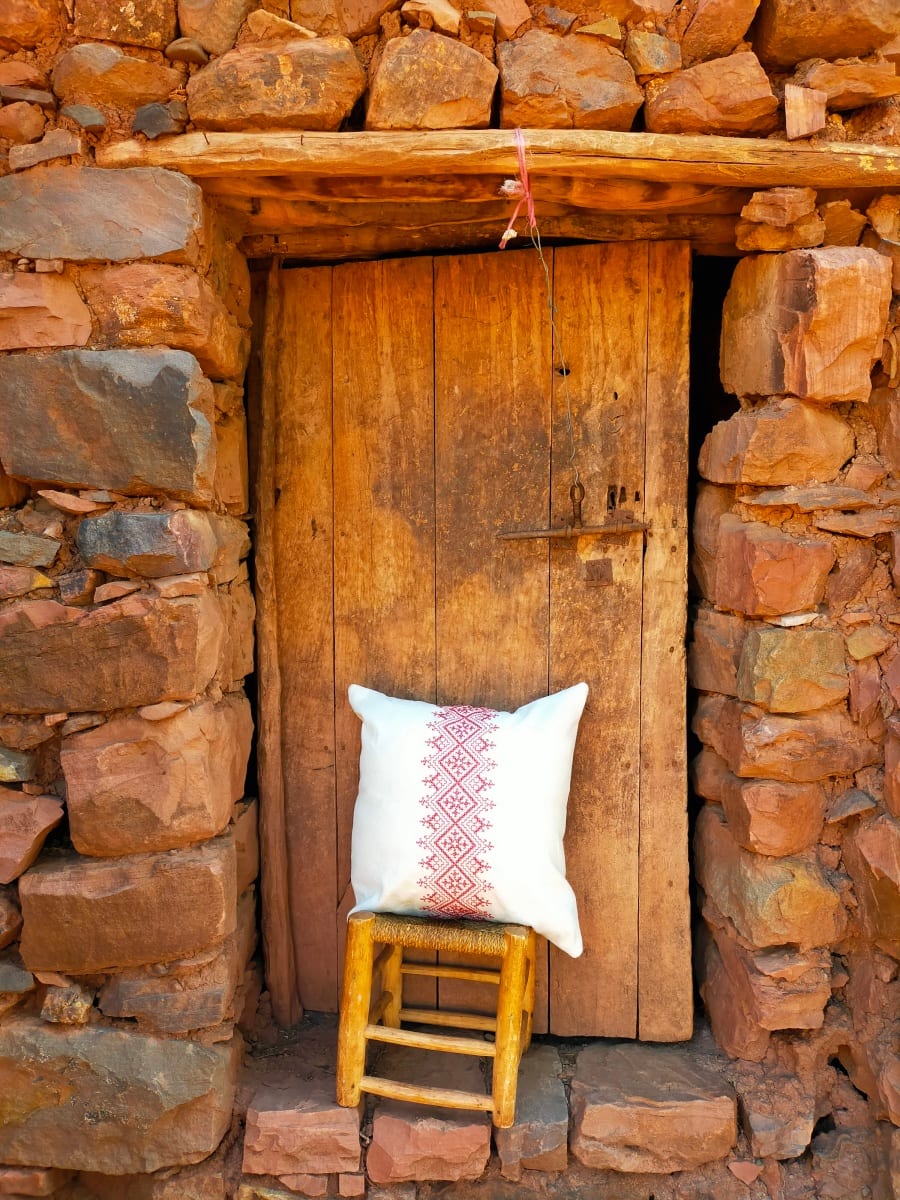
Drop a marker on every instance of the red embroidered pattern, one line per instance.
(455, 820)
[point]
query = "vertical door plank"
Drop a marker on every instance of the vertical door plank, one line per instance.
(595, 625)
(492, 433)
(665, 992)
(303, 539)
(383, 504)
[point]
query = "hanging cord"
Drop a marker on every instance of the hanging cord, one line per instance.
(521, 188)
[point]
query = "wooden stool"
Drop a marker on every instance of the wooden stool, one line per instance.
(372, 1006)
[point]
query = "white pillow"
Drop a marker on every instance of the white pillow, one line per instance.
(461, 811)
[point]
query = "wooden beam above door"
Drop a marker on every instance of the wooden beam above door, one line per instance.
(361, 194)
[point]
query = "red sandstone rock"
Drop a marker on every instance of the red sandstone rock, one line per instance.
(797, 749)
(244, 831)
(41, 310)
(133, 1103)
(788, 31)
(777, 1112)
(87, 214)
(97, 74)
(30, 23)
(715, 651)
(786, 326)
(318, 82)
(10, 917)
(12, 492)
(428, 81)
(150, 544)
(770, 902)
(716, 28)
(793, 670)
(352, 1184)
(18, 581)
(850, 83)
(58, 143)
(780, 206)
(232, 480)
(21, 122)
(298, 1128)
(511, 15)
(771, 816)
(725, 95)
(576, 82)
(213, 23)
(135, 785)
(139, 421)
(25, 822)
(872, 856)
(710, 506)
(843, 223)
(784, 442)
(884, 413)
(31, 1181)
(136, 651)
(650, 54)
(764, 572)
(150, 23)
(649, 1108)
(809, 231)
(733, 1024)
(538, 1139)
(145, 304)
(86, 915)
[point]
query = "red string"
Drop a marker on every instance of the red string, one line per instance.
(522, 190)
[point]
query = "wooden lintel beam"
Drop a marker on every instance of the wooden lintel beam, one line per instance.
(719, 161)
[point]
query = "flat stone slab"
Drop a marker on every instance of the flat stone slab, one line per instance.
(295, 1127)
(638, 1107)
(537, 1141)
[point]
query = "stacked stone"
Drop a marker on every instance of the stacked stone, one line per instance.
(797, 849)
(127, 851)
(734, 67)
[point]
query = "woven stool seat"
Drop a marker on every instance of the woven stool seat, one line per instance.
(372, 1007)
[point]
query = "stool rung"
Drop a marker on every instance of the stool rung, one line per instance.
(391, 1089)
(435, 970)
(430, 1041)
(455, 1020)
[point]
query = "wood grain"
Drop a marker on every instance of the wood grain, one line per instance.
(665, 996)
(601, 297)
(303, 563)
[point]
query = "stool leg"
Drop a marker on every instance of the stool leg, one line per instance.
(528, 1020)
(510, 1003)
(355, 1002)
(392, 979)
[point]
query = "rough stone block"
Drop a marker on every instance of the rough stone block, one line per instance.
(27, 549)
(10, 917)
(145, 304)
(538, 1139)
(428, 81)
(771, 816)
(27, 23)
(715, 651)
(25, 822)
(86, 915)
(763, 572)
(650, 54)
(17, 766)
(232, 481)
(58, 143)
(134, 421)
(318, 83)
(21, 122)
(195, 993)
(715, 28)
(770, 902)
(152, 545)
(788, 31)
(245, 832)
(134, 785)
(784, 442)
(872, 857)
(70, 1005)
(32, 1181)
(96, 74)
(40, 311)
(414, 1142)
(711, 505)
(778, 1113)
(135, 651)
(793, 670)
(725, 95)
(648, 1108)
(214, 23)
(296, 1127)
(87, 214)
(733, 1026)
(798, 749)
(849, 83)
(577, 82)
(19, 581)
(132, 1103)
(150, 23)
(787, 327)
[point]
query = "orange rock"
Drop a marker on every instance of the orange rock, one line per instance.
(788, 31)
(806, 233)
(318, 82)
(428, 81)
(213, 23)
(805, 113)
(27, 23)
(98, 74)
(797, 749)
(770, 902)
(884, 413)
(872, 857)
(25, 822)
(245, 832)
(784, 442)
(511, 15)
(725, 95)
(10, 917)
(771, 816)
(575, 82)
(843, 223)
(83, 915)
(716, 28)
(232, 480)
(41, 310)
(848, 82)
(651, 54)
(733, 1025)
(296, 1127)
(19, 581)
(31, 1181)
(711, 505)
(793, 670)
(715, 651)
(21, 122)
(786, 326)
(150, 23)
(763, 572)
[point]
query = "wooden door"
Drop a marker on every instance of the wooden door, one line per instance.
(412, 409)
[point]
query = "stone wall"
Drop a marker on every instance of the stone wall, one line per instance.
(797, 850)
